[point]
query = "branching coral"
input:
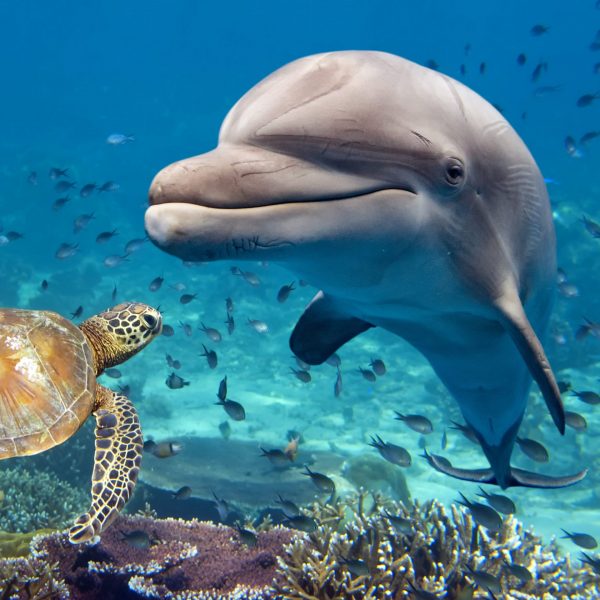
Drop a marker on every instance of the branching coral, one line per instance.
(369, 558)
(36, 499)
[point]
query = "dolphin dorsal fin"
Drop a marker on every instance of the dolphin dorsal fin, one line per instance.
(520, 330)
(322, 329)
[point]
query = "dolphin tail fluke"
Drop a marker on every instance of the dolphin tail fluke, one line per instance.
(517, 477)
(322, 329)
(516, 323)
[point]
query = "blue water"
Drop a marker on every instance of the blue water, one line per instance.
(167, 73)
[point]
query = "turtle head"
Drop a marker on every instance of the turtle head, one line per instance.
(120, 332)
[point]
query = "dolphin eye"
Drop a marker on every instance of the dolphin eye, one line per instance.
(455, 171)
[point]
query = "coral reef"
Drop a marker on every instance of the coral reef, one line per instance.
(438, 551)
(170, 559)
(363, 548)
(37, 499)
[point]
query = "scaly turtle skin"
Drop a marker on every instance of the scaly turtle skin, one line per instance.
(48, 388)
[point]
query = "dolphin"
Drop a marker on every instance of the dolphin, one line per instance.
(411, 203)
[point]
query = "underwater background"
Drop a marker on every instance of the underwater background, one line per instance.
(163, 76)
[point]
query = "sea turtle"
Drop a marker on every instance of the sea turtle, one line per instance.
(48, 388)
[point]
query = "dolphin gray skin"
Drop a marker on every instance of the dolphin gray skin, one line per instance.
(411, 202)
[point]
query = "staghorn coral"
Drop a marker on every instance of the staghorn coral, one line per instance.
(31, 579)
(367, 558)
(38, 499)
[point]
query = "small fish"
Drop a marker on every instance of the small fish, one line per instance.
(568, 290)
(591, 561)
(334, 361)
(571, 147)
(13, 236)
(486, 580)
(113, 372)
(211, 357)
(113, 295)
(78, 312)
(82, 221)
(588, 137)
(538, 30)
(591, 226)
(367, 374)
(503, 504)
(166, 449)
(118, 139)
(583, 540)
(587, 396)
(175, 382)
(378, 366)
(258, 326)
(251, 278)
(288, 508)
(575, 421)
(322, 482)
(179, 286)
(109, 186)
(60, 202)
(114, 260)
(545, 90)
(222, 507)
(432, 64)
(230, 323)
(187, 328)
(125, 389)
(466, 430)
(419, 594)
(392, 453)
(355, 566)
(482, 67)
(222, 393)
(482, 514)
(32, 178)
(284, 292)
(229, 305)
(586, 100)
(540, 68)
(463, 69)
(247, 537)
(156, 284)
(187, 298)
(521, 59)
(66, 251)
(234, 409)
(588, 328)
(278, 458)
(563, 386)
(63, 186)
(302, 523)
(417, 423)
(291, 449)
(87, 190)
(301, 374)
(137, 539)
(533, 449)
(134, 245)
(225, 430)
(56, 173)
(149, 445)
(338, 386)
(103, 237)
(44, 285)
(444, 440)
(167, 330)
(172, 363)
(400, 524)
(301, 364)
(519, 571)
(183, 493)
(212, 333)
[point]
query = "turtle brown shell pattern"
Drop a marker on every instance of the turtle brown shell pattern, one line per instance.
(47, 381)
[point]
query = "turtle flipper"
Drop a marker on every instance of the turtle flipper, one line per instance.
(116, 463)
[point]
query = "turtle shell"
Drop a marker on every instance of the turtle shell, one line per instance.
(47, 381)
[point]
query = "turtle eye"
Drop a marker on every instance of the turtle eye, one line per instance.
(455, 171)
(150, 321)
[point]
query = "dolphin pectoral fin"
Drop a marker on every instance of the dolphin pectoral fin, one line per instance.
(322, 329)
(517, 325)
(517, 477)
(535, 480)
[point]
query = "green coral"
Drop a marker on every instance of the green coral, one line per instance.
(366, 557)
(38, 499)
(17, 544)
